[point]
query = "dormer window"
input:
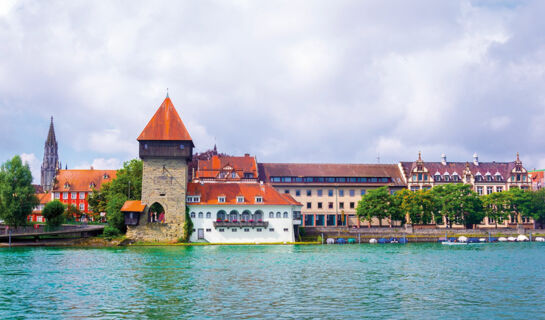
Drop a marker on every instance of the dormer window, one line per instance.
(221, 199)
(488, 177)
(106, 176)
(233, 175)
(498, 177)
(193, 199)
(437, 177)
(66, 185)
(240, 199)
(447, 176)
(478, 177)
(259, 199)
(92, 185)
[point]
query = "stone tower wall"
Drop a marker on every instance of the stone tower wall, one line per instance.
(164, 180)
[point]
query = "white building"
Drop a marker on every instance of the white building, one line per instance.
(242, 213)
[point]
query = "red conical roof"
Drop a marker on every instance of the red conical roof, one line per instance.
(166, 124)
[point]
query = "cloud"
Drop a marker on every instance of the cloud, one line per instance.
(316, 81)
(101, 163)
(35, 166)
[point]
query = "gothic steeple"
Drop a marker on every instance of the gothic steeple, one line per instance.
(51, 159)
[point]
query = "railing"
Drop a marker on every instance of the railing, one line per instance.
(241, 224)
(4, 230)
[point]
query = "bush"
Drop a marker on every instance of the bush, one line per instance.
(113, 212)
(53, 212)
(110, 232)
(188, 227)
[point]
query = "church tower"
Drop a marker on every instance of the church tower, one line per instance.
(51, 159)
(165, 148)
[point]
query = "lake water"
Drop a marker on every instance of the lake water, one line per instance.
(414, 281)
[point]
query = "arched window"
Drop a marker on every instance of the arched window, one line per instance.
(156, 213)
(258, 215)
(245, 215)
(278, 215)
(192, 215)
(208, 215)
(201, 215)
(221, 215)
(233, 216)
(286, 215)
(271, 215)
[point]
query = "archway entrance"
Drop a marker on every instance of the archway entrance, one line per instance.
(156, 213)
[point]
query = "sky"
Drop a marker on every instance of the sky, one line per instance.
(286, 81)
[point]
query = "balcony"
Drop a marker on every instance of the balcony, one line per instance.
(241, 224)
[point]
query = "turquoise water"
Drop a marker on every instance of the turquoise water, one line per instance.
(414, 281)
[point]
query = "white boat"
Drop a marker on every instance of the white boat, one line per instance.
(502, 239)
(482, 240)
(452, 243)
(373, 241)
(330, 241)
(540, 239)
(462, 239)
(511, 239)
(522, 238)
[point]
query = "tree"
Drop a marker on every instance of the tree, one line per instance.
(536, 206)
(459, 204)
(519, 202)
(496, 206)
(71, 213)
(113, 212)
(420, 205)
(188, 226)
(53, 212)
(377, 203)
(17, 195)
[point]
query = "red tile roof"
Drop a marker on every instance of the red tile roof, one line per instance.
(209, 193)
(82, 180)
(133, 206)
(212, 167)
(268, 170)
(503, 168)
(166, 124)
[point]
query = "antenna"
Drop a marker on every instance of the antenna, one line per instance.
(378, 157)
(167, 92)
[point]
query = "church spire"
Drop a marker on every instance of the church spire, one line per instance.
(51, 139)
(51, 162)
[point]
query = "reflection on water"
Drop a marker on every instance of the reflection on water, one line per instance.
(351, 281)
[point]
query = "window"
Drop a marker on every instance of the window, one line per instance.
(275, 179)
(297, 193)
(271, 229)
(286, 215)
(351, 205)
(57, 195)
(208, 215)
(488, 177)
(278, 215)
(330, 205)
(221, 230)
(413, 188)
(489, 190)
(320, 220)
(309, 193)
(523, 178)
(480, 191)
(341, 193)
(234, 230)
(259, 199)
(82, 195)
(208, 230)
(437, 177)
(352, 193)
(286, 229)
(221, 199)
(309, 205)
(330, 192)
(362, 192)
(518, 177)
(330, 219)
(498, 177)
(447, 177)
(246, 229)
(201, 215)
(271, 215)
(73, 195)
(309, 220)
(341, 205)
(319, 205)
(499, 189)
(414, 177)
(65, 195)
(419, 177)
(258, 229)
(81, 207)
(240, 199)
(192, 214)
(319, 192)
(286, 191)
(233, 175)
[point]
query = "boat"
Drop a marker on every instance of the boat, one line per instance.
(522, 238)
(511, 239)
(502, 239)
(453, 243)
(540, 239)
(330, 241)
(373, 240)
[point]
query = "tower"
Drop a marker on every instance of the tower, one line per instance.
(51, 159)
(165, 148)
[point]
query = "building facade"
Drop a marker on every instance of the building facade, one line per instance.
(227, 169)
(484, 177)
(242, 213)
(330, 193)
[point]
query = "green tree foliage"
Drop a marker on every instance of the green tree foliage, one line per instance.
(536, 206)
(520, 201)
(420, 205)
(71, 213)
(53, 212)
(459, 204)
(188, 227)
(113, 212)
(497, 206)
(126, 186)
(378, 203)
(17, 198)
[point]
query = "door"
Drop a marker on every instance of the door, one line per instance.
(200, 234)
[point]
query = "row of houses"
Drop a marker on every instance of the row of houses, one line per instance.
(238, 199)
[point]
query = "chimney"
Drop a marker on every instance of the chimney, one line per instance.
(246, 154)
(475, 159)
(92, 168)
(444, 159)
